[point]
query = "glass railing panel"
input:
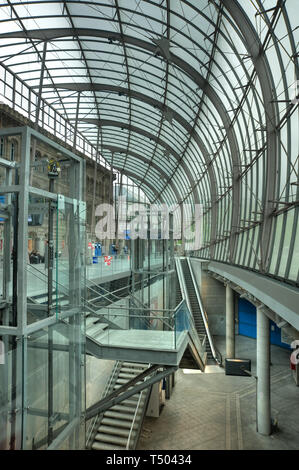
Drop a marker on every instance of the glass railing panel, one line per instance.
(104, 266)
(184, 323)
(181, 322)
(126, 324)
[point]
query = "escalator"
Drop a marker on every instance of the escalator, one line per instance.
(190, 291)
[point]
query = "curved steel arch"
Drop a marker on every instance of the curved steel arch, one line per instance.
(115, 149)
(48, 34)
(255, 49)
(107, 123)
(176, 116)
(235, 23)
(134, 177)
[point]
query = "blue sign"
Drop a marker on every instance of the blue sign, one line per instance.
(98, 249)
(2, 201)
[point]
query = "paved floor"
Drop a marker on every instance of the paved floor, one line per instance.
(217, 412)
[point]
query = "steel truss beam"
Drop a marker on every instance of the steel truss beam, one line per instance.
(123, 392)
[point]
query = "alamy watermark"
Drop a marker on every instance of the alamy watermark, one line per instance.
(150, 221)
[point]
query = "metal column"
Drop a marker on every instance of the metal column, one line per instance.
(263, 373)
(230, 323)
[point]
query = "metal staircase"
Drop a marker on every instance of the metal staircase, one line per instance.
(100, 297)
(118, 427)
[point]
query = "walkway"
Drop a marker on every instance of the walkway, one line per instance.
(101, 272)
(217, 412)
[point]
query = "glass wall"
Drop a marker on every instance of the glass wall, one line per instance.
(42, 323)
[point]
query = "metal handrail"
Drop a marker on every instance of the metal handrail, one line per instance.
(87, 302)
(133, 422)
(104, 394)
(147, 392)
(113, 293)
(185, 299)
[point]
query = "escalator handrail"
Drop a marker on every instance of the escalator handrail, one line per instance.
(192, 331)
(202, 312)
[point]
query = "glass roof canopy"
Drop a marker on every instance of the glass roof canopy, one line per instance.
(195, 100)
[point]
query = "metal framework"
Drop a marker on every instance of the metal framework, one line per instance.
(193, 100)
(29, 374)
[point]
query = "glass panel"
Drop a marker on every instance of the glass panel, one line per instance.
(55, 360)
(184, 322)
(7, 233)
(286, 243)
(50, 169)
(42, 258)
(294, 269)
(10, 393)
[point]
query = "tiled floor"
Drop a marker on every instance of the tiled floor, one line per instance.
(214, 411)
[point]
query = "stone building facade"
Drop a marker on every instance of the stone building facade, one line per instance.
(102, 187)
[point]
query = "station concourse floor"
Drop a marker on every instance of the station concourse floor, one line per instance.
(212, 411)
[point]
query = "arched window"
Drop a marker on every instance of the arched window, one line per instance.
(13, 150)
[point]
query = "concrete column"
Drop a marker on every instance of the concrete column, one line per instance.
(263, 373)
(230, 323)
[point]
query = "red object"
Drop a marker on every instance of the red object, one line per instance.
(107, 260)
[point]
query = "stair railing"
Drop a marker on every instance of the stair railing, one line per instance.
(94, 421)
(88, 304)
(133, 421)
(147, 391)
(195, 337)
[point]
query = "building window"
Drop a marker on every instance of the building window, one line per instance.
(12, 152)
(2, 147)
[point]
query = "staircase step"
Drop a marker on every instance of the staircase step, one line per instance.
(125, 409)
(125, 381)
(120, 441)
(89, 321)
(133, 403)
(119, 423)
(105, 446)
(121, 381)
(95, 329)
(121, 385)
(124, 375)
(117, 415)
(132, 372)
(115, 431)
(135, 365)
